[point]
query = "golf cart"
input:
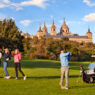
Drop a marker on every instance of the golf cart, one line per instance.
(88, 76)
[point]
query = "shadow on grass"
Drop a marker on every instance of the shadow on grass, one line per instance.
(74, 76)
(48, 64)
(51, 77)
(45, 77)
(83, 86)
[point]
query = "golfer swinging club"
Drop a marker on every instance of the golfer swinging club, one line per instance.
(64, 57)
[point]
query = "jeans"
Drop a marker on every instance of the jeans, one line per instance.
(5, 64)
(64, 72)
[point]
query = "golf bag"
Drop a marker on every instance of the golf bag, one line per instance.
(87, 77)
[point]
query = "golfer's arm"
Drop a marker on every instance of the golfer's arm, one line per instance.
(66, 54)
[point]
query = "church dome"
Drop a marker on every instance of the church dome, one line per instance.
(64, 26)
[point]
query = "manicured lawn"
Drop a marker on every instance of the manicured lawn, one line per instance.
(43, 79)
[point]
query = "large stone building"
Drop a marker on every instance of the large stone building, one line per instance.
(26, 35)
(64, 32)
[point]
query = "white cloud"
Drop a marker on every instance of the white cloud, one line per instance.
(2, 6)
(6, 1)
(39, 3)
(20, 5)
(89, 17)
(25, 22)
(89, 3)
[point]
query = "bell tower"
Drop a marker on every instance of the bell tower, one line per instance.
(53, 29)
(89, 34)
(45, 30)
(39, 32)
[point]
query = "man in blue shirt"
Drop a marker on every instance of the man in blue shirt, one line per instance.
(64, 57)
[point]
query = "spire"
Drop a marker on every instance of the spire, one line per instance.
(53, 28)
(88, 29)
(64, 22)
(44, 24)
(53, 24)
(44, 28)
(40, 30)
(40, 27)
(53, 21)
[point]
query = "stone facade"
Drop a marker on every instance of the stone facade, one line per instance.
(64, 32)
(26, 35)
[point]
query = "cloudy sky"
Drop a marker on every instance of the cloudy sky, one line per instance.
(29, 14)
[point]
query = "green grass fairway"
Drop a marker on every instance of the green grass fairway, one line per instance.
(43, 79)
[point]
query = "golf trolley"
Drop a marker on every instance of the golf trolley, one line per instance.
(88, 76)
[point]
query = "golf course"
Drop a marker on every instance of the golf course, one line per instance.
(43, 78)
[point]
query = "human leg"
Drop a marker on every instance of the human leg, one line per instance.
(67, 76)
(5, 68)
(62, 76)
(16, 65)
(19, 67)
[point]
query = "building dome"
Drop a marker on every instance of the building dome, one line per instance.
(64, 26)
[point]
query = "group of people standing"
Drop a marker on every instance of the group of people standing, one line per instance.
(6, 57)
(64, 58)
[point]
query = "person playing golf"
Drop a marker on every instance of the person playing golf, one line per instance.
(64, 57)
(17, 59)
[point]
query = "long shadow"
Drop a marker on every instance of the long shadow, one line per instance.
(76, 65)
(82, 86)
(36, 64)
(74, 76)
(52, 77)
(48, 64)
(46, 77)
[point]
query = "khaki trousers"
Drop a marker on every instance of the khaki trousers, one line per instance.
(64, 73)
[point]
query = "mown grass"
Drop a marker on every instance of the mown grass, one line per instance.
(43, 78)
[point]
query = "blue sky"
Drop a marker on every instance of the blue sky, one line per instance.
(29, 14)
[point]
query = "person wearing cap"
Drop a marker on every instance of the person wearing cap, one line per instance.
(64, 58)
